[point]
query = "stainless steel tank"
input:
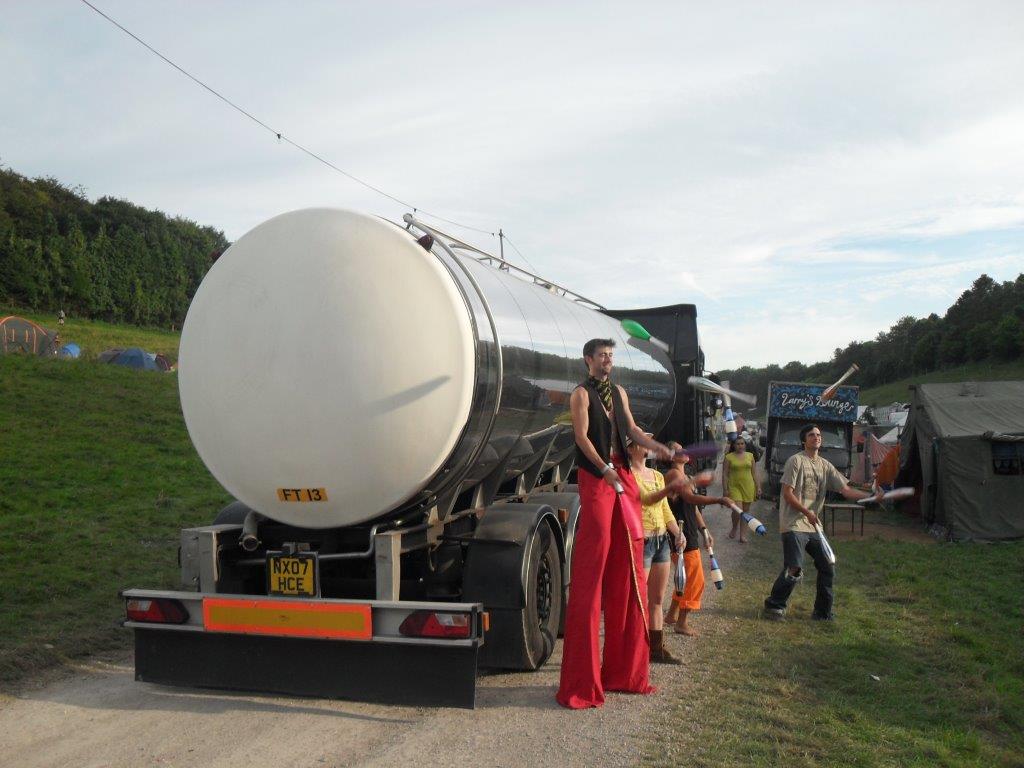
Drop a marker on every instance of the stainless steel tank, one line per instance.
(332, 370)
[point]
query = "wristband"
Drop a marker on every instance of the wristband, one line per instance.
(608, 466)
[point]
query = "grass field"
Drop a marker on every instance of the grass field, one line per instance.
(938, 625)
(898, 391)
(94, 336)
(98, 476)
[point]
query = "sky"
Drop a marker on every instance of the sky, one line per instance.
(805, 173)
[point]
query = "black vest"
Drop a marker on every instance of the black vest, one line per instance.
(686, 514)
(600, 429)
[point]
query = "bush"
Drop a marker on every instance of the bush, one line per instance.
(952, 350)
(979, 341)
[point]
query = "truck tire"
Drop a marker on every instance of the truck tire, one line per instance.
(569, 500)
(514, 569)
(542, 617)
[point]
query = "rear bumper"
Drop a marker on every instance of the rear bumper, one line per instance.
(386, 668)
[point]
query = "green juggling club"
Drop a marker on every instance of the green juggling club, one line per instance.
(637, 331)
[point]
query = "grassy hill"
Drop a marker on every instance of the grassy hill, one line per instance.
(898, 391)
(98, 475)
(94, 336)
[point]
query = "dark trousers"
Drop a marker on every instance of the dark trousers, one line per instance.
(793, 546)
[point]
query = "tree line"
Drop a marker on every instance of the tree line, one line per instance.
(985, 323)
(109, 260)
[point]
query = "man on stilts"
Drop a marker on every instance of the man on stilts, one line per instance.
(607, 561)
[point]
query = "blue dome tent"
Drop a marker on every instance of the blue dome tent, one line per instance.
(133, 357)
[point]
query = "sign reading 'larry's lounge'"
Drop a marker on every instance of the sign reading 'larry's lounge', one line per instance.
(803, 401)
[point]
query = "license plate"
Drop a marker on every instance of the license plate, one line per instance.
(294, 575)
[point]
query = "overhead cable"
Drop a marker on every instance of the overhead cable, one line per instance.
(519, 252)
(280, 136)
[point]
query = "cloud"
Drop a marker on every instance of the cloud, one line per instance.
(968, 218)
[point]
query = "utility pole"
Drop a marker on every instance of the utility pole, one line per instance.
(501, 246)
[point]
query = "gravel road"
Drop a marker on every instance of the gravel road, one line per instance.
(99, 716)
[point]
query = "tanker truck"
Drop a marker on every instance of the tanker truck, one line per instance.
(388, 405)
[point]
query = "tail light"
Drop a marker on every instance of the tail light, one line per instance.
(157, 610)
(436, 624)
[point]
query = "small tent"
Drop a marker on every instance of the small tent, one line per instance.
(109, 354)
(162, 363)
(963, 446)
(20, 335)
(133, 357)
(71, 350)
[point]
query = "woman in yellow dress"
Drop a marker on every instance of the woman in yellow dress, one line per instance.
(739, 483)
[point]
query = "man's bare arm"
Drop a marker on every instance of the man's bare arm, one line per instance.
(790, 496)
(638, 434)
(709, 540)
(579, 403)
(681, 486)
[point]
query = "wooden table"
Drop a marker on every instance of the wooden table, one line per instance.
(853, 508)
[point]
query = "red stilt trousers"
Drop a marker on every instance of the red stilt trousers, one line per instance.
(607, 573)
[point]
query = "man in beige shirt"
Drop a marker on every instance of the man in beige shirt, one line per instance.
(806, 479)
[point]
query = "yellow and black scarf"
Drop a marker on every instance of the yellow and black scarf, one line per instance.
(604, 389)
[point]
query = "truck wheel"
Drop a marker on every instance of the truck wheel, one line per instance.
(543, 615)
(513, 567)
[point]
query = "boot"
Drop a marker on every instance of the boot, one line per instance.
(659, 653)
(683, 625)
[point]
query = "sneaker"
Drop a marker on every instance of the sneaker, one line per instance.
(773, 614)
(829, 617)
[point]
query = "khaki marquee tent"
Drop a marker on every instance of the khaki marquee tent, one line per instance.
(963, 446)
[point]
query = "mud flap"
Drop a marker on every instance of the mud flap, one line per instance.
(387, 673)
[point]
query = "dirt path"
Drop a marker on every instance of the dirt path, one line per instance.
(99, 716)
